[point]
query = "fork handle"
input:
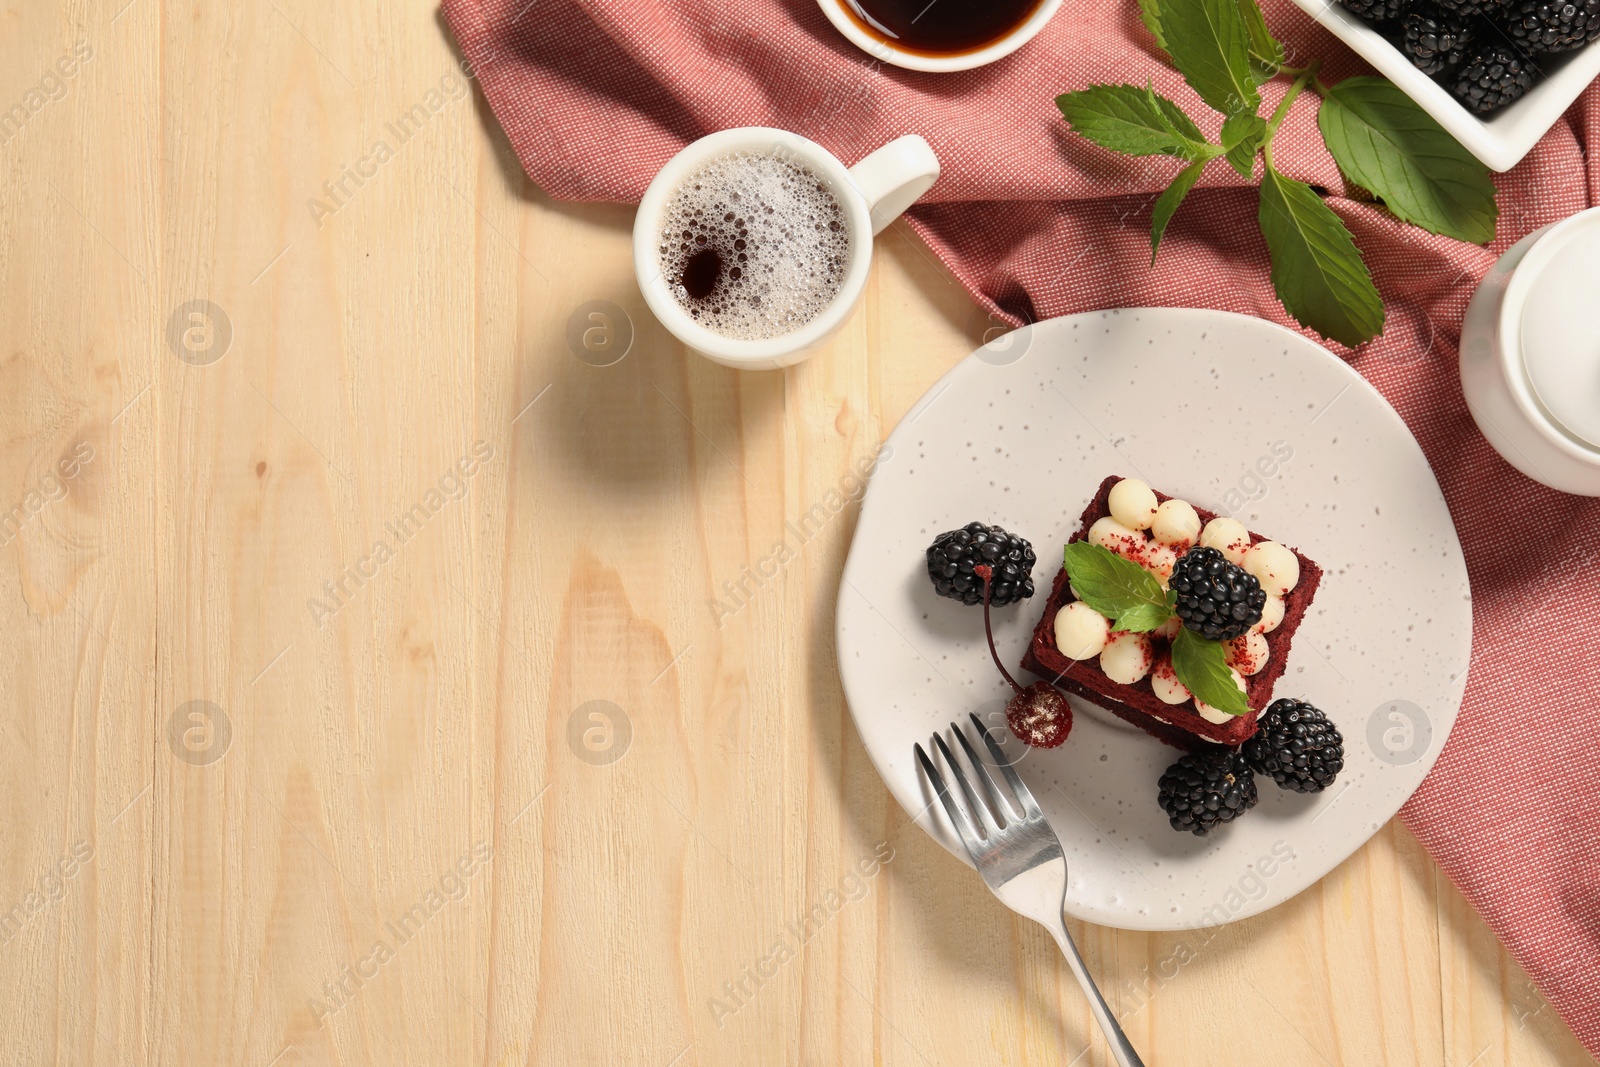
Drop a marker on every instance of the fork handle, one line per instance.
(1121, 1049)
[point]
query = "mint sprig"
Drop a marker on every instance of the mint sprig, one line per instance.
(1381, 140)
(1119, 589)
(1203, 669)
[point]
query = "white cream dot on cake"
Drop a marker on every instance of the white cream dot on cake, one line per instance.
(1126, 657)
(1211, 714)
(1176, 524)
(1164, 680)
(1168, 629)
(1158, 559)
(1227, 536)
(1246, 653)
(1271, 615)
(1133, 503)
(1275, 567)
(1081, 631)
(1122, 540)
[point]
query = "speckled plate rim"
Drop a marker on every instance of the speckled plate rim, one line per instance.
(1241, 885)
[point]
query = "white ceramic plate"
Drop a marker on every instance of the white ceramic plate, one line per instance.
(1499, 140)
(1204, 405)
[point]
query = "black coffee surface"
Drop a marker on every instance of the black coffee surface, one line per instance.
(701, 273)
(942, 27)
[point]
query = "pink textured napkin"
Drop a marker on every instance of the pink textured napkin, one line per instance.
(596, 94)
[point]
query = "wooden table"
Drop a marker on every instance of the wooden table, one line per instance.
(364, 700)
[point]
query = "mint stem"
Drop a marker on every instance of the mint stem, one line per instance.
(1302, 77)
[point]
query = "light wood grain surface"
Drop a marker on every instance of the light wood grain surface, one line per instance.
(363, 700)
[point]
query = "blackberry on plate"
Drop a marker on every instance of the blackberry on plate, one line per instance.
(1492, 75)
(1216, 599)
(1376, 10)
(1436, 39)
(1297, 745)
(1551, 25)
(1205, 789)
(952, 556)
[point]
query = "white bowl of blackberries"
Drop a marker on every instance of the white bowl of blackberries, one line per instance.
(1497, 74)
(1486, 52)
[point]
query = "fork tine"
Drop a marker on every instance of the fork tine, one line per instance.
(969, 837)
(980, 811)
(997, 798)
(1030, 806)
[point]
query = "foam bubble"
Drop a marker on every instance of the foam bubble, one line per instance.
(753, 245)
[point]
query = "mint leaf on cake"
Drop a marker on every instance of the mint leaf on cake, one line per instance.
(1202, 668)
(1122, 591)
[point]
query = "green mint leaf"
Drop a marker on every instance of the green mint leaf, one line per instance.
(1316, 269)
(1210, 45)
(1130, 120)
(1150, 12)
(1202, 668)
(1143, 618)
(1266, 54)
(1177, 117)
(1119, 589)
(1242, 135)
(1384, 142)
(1166, 204)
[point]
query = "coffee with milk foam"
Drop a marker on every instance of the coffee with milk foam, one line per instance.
(754, 245)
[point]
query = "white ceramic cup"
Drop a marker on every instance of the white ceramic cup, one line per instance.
(849, 23)
(872, 194)
(1530, 355)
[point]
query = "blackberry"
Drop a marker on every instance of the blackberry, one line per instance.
(1551, 25)
(952, 556)
(1297, 745)
(1436, 39)
(1492, 75)
(1469, 8)
(1216, 599)
(1205, 789)
(1376, 10)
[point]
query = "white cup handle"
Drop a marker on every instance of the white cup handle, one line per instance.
(894, 177)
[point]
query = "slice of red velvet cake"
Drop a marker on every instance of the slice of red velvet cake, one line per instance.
(1156, 535)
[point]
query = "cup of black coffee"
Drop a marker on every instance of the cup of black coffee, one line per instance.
(945, 37)
(752, 245)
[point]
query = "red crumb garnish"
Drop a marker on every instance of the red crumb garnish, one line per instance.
(1237, 652)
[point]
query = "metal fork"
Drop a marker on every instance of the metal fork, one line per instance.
(1021, 862)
